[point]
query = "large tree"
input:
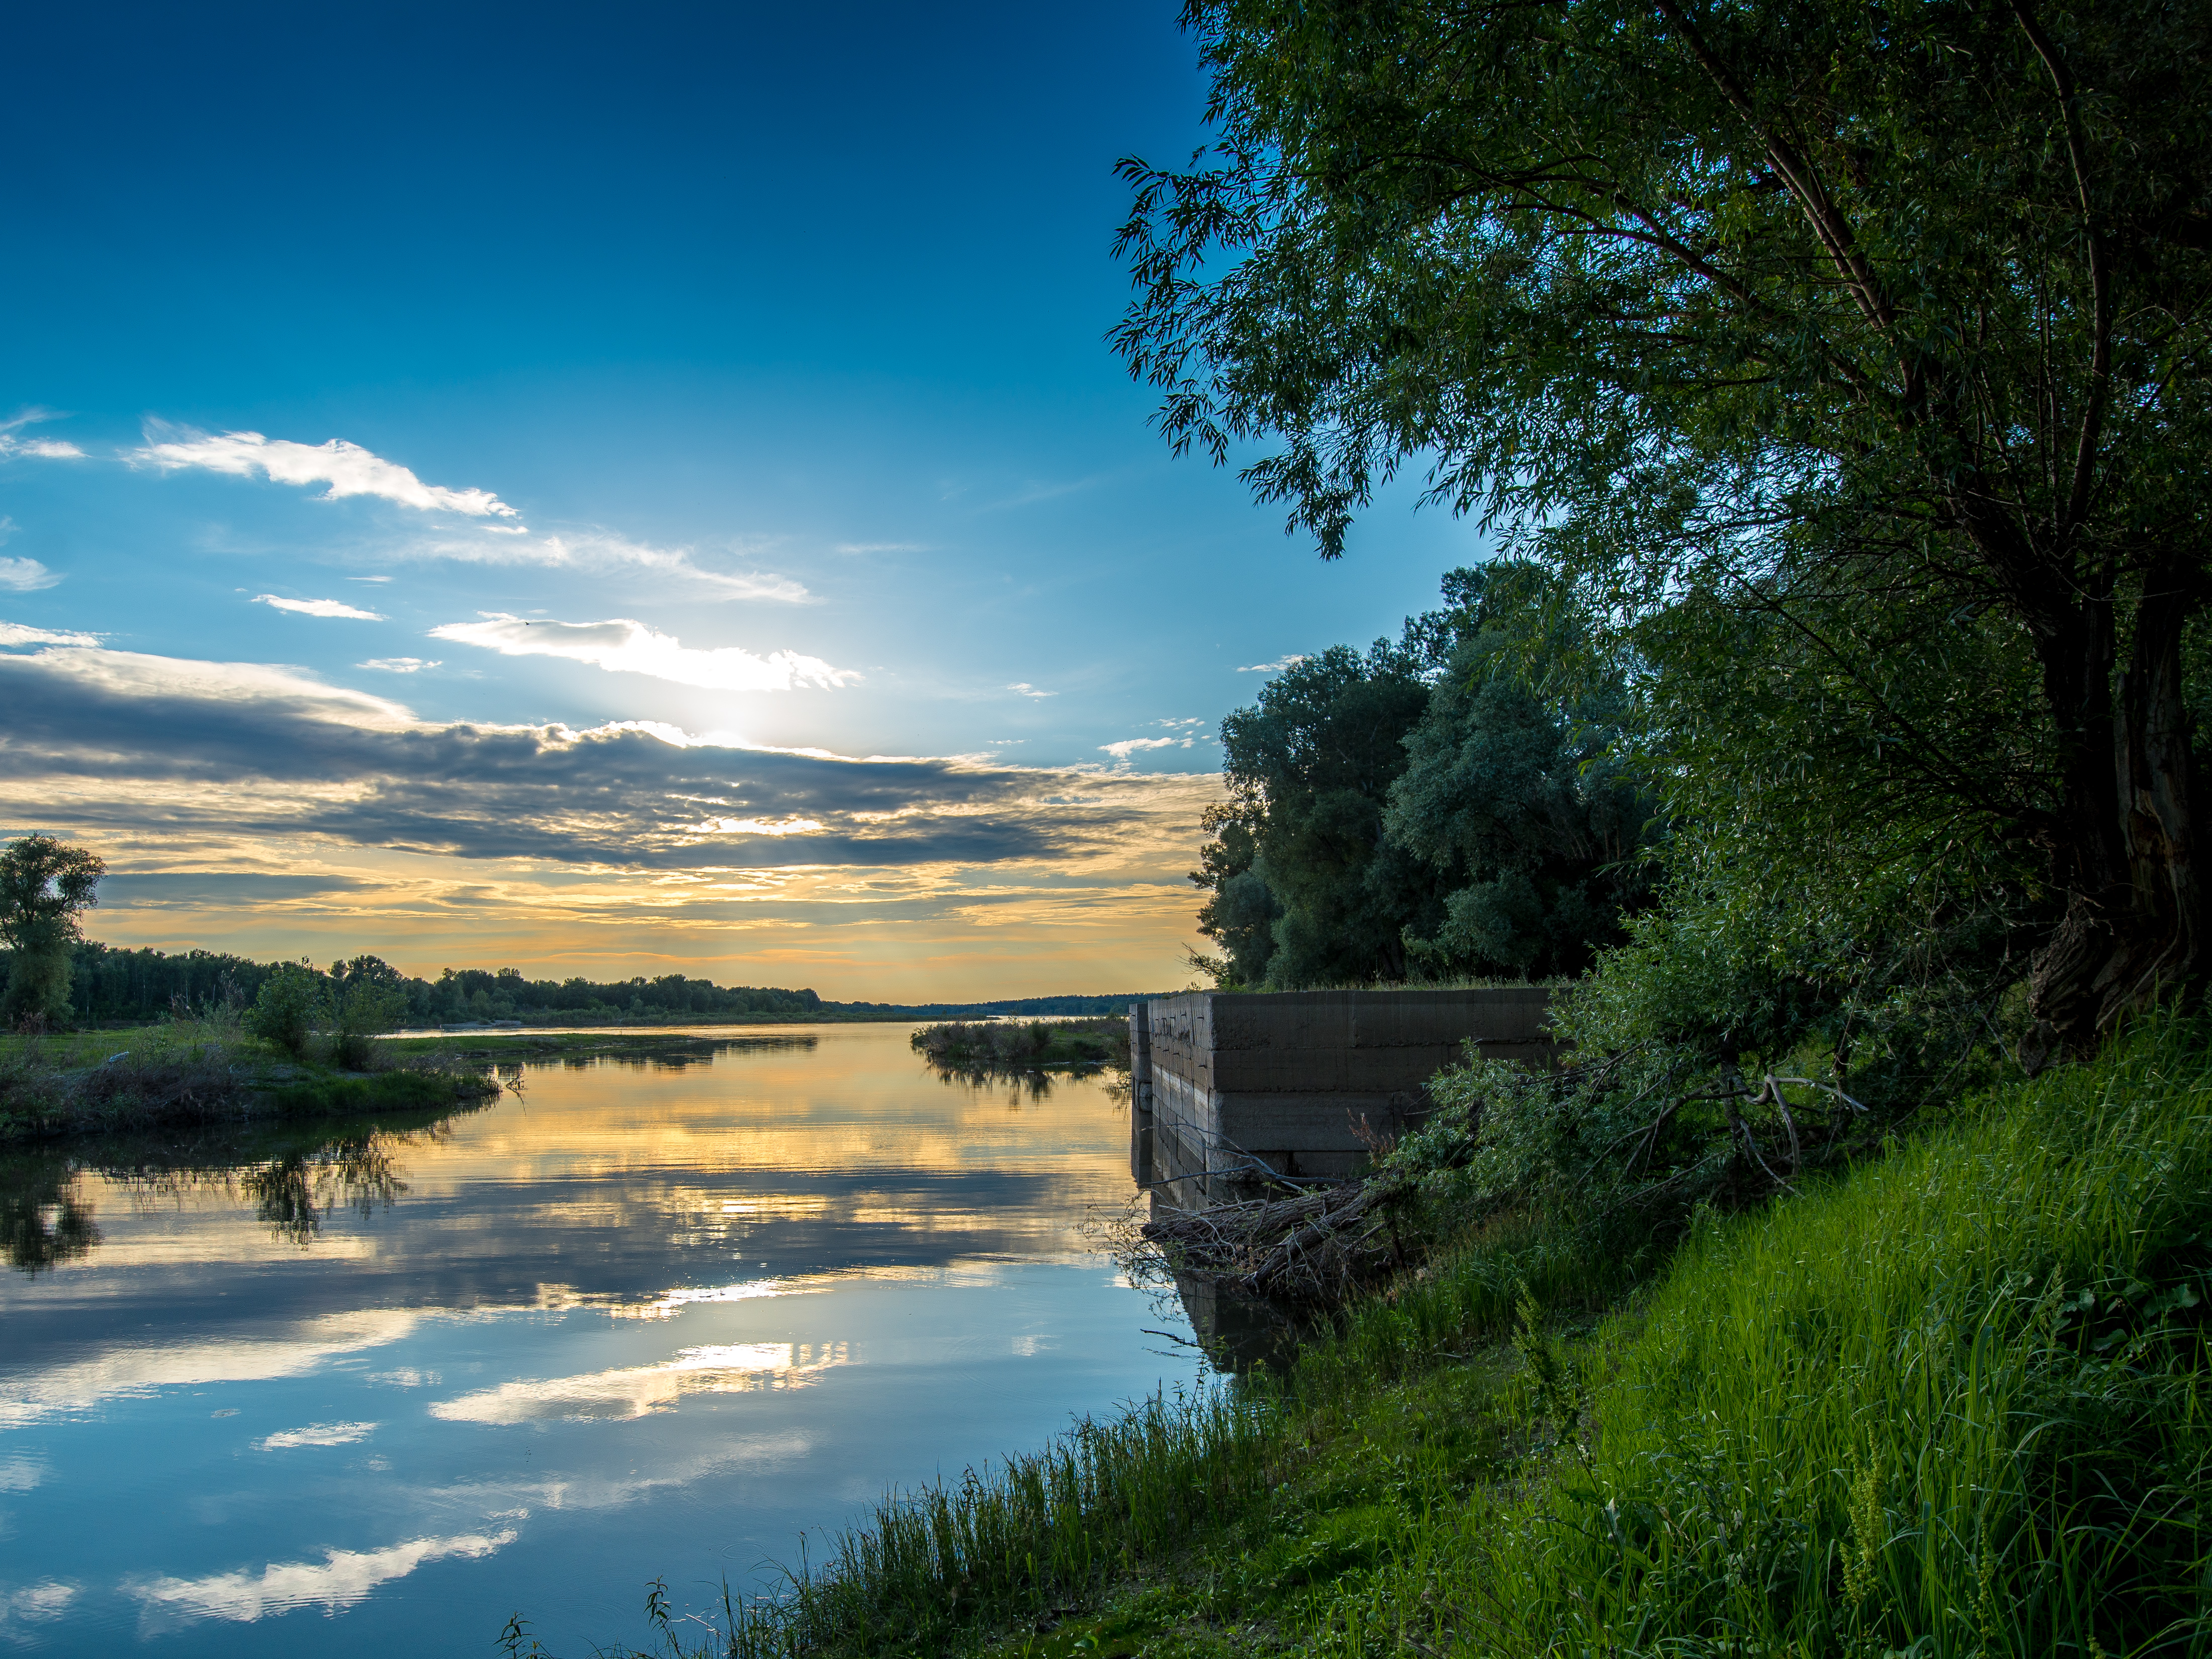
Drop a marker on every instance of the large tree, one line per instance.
(45, 886)
(1875, 333)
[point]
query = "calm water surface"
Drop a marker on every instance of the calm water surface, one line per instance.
(369, 1390)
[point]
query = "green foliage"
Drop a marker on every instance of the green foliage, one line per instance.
(1514, 792)
(294, 1000)
(1306, 887)
(45, 887)
(368, 996)
(1442, 808)
(1838, 354)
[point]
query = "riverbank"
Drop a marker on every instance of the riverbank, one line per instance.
(1950, 1402)
(190, 1072)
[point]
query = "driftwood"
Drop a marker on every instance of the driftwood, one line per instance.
(1315, 1246)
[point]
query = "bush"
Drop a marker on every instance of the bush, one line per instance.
(293, 1000)
(364, 1008)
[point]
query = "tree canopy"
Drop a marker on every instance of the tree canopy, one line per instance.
(45, 886)
(1849, 358)
(1424, 811)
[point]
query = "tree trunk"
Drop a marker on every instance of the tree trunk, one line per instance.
(2122, 851)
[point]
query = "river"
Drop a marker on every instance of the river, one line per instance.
(370, 1388)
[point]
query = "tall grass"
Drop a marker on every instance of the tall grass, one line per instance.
(1090, 1510)
(1952, 1404)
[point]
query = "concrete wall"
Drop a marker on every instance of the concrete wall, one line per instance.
(1287, 1077)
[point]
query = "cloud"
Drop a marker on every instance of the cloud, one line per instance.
(1274, 667)
(639, 1390)
(400, 665)
(341, 1579)
(347, 468)
(319, 607)
(182, 753)
(25, 575)
(602, 552)
(21, 634)
(45, 448)
(35, 1604)
(623, 646)
(318, 1434)
(1029, 690)
(1128, 746)
(80, 1386)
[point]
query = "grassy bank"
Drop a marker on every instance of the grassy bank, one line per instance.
(197, 1073)
(1949, 1403)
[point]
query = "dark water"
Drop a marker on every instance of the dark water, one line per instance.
(369, 1390)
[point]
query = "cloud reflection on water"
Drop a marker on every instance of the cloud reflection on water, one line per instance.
(636, 1391)
(342, 1578)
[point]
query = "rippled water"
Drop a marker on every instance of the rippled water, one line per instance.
(369, 1388)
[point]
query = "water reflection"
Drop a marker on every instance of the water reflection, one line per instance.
(42, 1212)
(293, 1174)
(650, 1317)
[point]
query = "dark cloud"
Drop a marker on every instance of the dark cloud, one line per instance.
(220, 748)
(197, 888)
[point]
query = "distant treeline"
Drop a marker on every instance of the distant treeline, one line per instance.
(111, 985)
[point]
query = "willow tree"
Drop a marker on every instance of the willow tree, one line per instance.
(1874, 331)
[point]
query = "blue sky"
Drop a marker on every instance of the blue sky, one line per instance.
(669, 389)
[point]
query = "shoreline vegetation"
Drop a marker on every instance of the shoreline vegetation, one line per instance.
(207, 1072)
(1943, 1401)
(1002, 1047)
(108, 986)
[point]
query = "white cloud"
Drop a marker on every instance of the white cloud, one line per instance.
(623, 646)
(639, 1390)
(341, 1579)
(35, 1603)
(347, 468)
(25, 575)
(400, 665)
(47, 449)
(1274, 667)
(318, 607)
(602, 552)
(318, 1434)
(80, 1386)
(1029, 690)
(19, 634)
(1128, 746)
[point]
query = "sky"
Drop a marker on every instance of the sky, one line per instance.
(628, 491)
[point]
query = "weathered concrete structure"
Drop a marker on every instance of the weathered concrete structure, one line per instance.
(1295, 1079)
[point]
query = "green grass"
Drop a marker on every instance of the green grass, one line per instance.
(1950, 1403)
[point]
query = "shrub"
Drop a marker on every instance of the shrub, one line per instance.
(292, 1000)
